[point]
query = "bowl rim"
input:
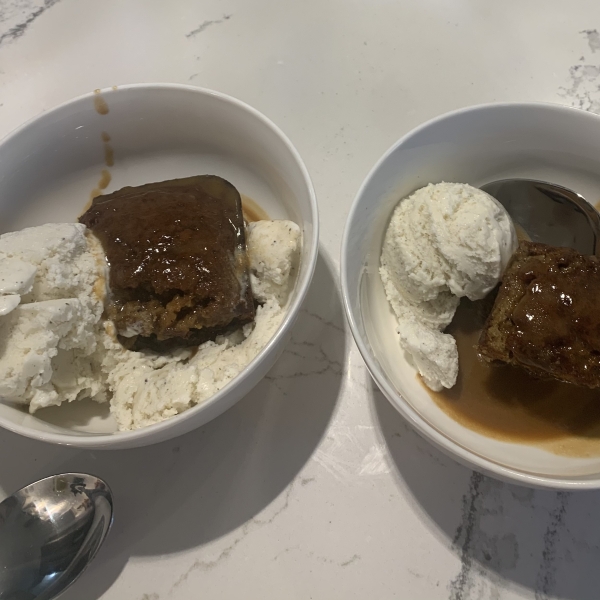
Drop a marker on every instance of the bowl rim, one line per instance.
(463, 455)
(142, 436)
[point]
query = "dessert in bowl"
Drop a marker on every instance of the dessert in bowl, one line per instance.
(474, 146)
(223, 207)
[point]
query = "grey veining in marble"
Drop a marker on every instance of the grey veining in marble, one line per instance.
(313, 486)
(18, 15)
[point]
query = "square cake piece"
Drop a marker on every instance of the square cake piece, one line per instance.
(178, 269)
(546, 316)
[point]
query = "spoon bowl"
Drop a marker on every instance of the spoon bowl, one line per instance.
(49, 532)
(549, 213)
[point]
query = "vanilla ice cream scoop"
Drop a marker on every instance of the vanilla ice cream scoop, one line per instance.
(50, 308)
(58, 347)
(445, 241)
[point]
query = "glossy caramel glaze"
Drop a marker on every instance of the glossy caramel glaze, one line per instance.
(547, 317)
(177, 257)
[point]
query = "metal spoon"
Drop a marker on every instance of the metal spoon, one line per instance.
(549, 213)
(49, 533)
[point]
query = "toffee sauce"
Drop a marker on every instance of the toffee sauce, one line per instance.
(506, 403)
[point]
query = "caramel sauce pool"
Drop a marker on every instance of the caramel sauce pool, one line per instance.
(252, 210)
(506, 403)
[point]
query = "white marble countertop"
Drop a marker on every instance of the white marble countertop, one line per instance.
(313, 486)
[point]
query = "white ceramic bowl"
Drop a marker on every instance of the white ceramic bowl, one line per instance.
(474, 145)
(50, 165)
